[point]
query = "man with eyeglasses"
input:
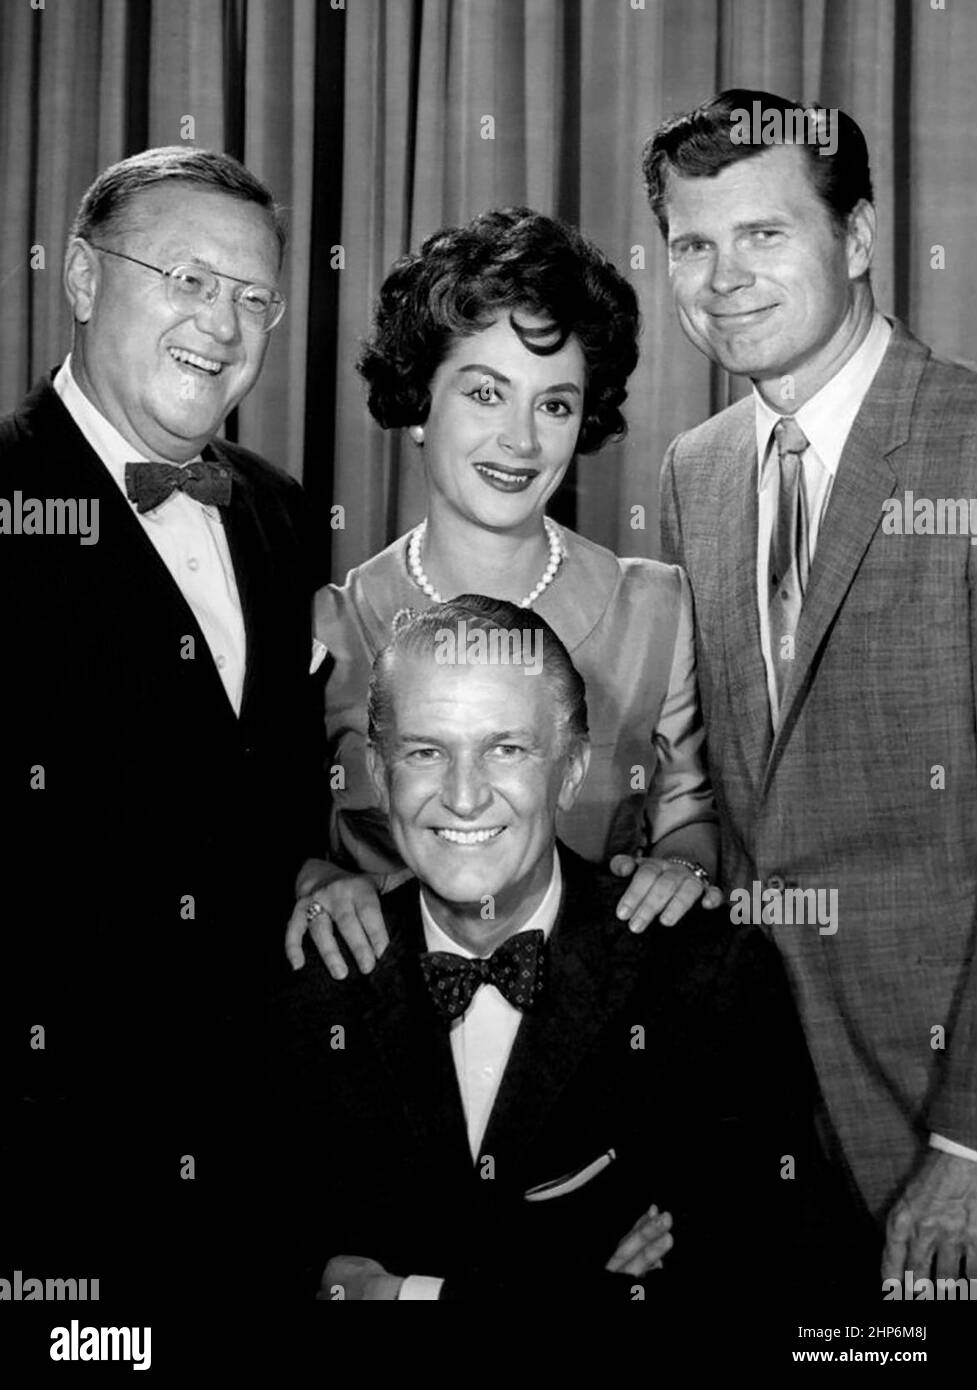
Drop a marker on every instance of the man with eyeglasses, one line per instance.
(162, 731)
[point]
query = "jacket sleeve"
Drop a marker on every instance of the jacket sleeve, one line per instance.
(671, 523)
(359, 833)
(311, 782)
(680, 794)
(953, 1110)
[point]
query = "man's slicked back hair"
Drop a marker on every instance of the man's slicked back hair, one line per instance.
(421, 634)
(699, 144)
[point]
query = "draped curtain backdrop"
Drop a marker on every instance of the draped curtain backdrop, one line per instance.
(377, 121)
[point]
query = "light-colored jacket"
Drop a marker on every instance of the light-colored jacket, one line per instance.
(869, 785)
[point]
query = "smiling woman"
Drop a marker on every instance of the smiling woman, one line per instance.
(504, 348)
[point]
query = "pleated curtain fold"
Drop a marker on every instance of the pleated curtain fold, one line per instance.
(377, 121)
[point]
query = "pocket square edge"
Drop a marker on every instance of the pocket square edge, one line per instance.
(570, 1182)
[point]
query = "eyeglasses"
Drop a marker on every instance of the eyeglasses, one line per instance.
(190, 286)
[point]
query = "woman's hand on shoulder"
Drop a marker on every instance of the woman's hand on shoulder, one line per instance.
(347, 903)
(662, 888)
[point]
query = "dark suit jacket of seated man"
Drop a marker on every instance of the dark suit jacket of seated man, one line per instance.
(664, 1069)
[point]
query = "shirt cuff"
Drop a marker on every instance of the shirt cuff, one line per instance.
(418, 1288)
(950, 1146)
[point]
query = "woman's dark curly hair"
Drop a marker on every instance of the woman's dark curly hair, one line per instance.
(464, 277)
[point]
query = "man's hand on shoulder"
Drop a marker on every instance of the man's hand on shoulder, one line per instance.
(354, 1278)
(661, 888)
(345, 902)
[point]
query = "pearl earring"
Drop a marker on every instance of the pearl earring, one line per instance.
(416, 433)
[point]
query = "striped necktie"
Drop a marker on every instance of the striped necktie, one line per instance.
(789, 562)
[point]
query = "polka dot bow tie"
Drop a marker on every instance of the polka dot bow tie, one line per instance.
(515, 968)
(150, 484)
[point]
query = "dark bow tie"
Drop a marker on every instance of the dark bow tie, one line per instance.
(515, 968)
(149, 484)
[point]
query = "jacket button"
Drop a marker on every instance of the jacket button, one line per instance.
(776, 883)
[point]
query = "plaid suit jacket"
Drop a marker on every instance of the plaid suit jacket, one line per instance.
(869, 783)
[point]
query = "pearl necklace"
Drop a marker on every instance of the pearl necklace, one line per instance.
(548, 575)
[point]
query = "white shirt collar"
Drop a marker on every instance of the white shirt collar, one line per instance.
(828, 416)
(544, 918)
(111, 447)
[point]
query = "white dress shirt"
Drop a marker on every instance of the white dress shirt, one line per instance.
(826, 420)
(188, 536)
(481, 1043)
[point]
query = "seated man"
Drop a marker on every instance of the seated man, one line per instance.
(525, 1099)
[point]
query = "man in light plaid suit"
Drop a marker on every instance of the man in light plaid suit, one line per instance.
(836, 639)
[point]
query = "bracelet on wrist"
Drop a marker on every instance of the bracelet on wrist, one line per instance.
(693, 867)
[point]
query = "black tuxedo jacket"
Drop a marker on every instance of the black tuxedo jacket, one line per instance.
(676, 1051)
(147, 882)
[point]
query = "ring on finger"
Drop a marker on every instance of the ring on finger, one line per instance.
(314, 910)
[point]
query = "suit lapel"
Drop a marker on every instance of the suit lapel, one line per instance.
(413, 1044)
(864, 480)
(68, 466)
(587, 974)
(746, 674)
